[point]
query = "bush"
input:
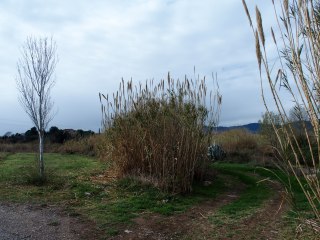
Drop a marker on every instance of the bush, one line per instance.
(86, 146)
(158, 134)
(304, 149)
(18, 147)
(242, 146)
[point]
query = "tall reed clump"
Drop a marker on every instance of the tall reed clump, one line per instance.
(156, 131)
(297, 70)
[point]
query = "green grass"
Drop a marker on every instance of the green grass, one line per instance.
(255, 195)
(114, 204)
(299, 201)
(128, 198)
(18, 175)
(250, 199)
(108, 204)
(3, 155)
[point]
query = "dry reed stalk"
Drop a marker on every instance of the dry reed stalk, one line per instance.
(157, 129)
(298, 72)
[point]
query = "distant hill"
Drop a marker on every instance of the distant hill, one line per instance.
(251, 127)
(255, 127)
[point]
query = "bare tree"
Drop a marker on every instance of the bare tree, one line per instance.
(34, 81)
(298, 114)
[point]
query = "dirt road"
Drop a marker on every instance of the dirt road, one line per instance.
(24, 222)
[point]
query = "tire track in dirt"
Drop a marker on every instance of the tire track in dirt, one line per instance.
(266, 221)
(263, 223)
(158, 227)
(19, 222)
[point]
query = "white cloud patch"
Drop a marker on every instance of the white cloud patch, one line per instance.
(101, 41)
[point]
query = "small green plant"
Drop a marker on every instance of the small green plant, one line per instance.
(156, 131)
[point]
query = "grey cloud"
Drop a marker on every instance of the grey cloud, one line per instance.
(101, 41)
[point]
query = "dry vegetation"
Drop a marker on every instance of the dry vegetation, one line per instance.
(297, 72)
(156, 131)
(242, 146)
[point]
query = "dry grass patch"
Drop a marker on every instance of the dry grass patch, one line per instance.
(242, 146)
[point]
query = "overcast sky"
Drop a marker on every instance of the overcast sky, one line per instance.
(101, 41)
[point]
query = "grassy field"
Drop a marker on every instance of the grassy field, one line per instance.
(71, 181)
(80, 184)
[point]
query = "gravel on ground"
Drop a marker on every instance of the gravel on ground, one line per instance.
(41, 222)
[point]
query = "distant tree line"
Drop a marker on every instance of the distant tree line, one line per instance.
(54, 135)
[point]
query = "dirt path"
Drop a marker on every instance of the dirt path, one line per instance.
(195, 224)
(24, 222)
(264, 223)
(158, 227)
(20, 222)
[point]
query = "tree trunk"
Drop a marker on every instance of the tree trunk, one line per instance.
(41, 163)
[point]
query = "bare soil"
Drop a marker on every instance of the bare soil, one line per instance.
(19, 222)
(195, 224)
(41, 222)
(265, 222)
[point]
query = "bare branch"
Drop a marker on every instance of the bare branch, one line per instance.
(34, 82)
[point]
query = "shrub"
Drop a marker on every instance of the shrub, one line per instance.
(18, 147)
(242, 146)
(157, 132)
(85, 146)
